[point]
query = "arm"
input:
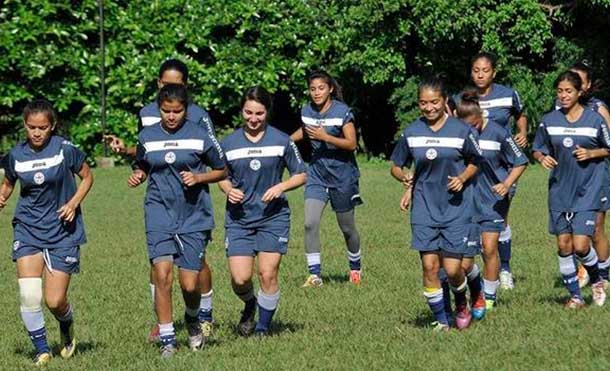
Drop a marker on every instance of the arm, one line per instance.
(213, 176)
(348, 143)
(297, 135)
(118, 146)
(515, 173)
(405, 178)
(584, 154)
(456, 183)
(291, 183)
(521, 136)
(6, 190)
(547, 161)
(68, 211)
(234, 195)
(603, 111)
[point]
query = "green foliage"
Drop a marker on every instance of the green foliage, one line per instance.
(376, 48)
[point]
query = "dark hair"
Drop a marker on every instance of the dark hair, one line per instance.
(583, 67)
(434, 83)
(571, 77)
(337, 92)
(175, 65)
(258, 94)
(468, 104)
(173, 92)
(492, 58)
(40, 106)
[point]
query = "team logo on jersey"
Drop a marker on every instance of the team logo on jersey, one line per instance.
(255, 164)
(16, 245)
(170, 157)
(568, 142)
(485, 113)
(431, 154)
(71, 259)
(39, 178)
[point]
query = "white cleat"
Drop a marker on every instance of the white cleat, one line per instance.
(506, 280)
(599, 293)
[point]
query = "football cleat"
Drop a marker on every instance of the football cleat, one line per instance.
(168, 351)
(583, 276)
(42, 359)
(479, 307)
(195, 338)
(68, 342)
(355, 277)
(506, 280)
(314, 281)
(247, 324)
(489, 305)
(575, 303)
(207, 329)
(439, 327)
(153, 336)
(599, 293)
(463, 316)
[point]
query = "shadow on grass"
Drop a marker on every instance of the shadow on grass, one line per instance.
(279, 328)
(335, 278)
(422, 320)
(81, 348)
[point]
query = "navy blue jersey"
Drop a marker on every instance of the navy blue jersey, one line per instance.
(149, 115)
(501, 154)
(436, 155)
(573, 185)
(330, 166)
(501, 104)
(253, 169)
(47, 183)
(592, 102)
(169, 205)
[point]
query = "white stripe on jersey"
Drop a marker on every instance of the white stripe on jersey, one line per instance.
(445, 142)
(179, 144)
(489, 145)
(323, 122)
(40, 164)
(247, 152)
(580, 132)
(150, 120)
(498, 102)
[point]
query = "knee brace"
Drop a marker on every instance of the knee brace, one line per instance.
(30, 294)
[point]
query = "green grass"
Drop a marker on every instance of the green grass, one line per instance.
(380, 325)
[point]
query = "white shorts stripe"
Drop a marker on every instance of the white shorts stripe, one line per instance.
(248, 152)
(579, 132)
(150, 120)
(180, 144)
(498, 102)
(489, 145)
(40, 164)
(324, 122)
(444, 142)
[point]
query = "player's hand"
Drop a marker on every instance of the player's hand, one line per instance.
(136, 178)
(188, 178)
(235, 196)
(582, 154)
(405, 200)
(67, 212)
(272, 193)
(116, 144)
(407, 181)
(521, 139)
(3, 202)
(501, 189)
(316, 132)
(548, 162)
(455, 183)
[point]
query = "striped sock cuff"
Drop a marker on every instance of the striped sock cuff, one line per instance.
(268, 301)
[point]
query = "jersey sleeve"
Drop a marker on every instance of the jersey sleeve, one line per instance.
(140, 161)
(471, 151)
(602, 134)
(8, 164)
(349, 117)
(511, 153)
(74, 157)
(206, 123)
(542, 141)
(517, 104)
(292, 158)
(213, 155)
(401, 156)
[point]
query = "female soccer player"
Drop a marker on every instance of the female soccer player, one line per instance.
(48, 225)
(499, 103)
(173, 155)
(445, 155)
(573, 143)
(504, 164)
(174, 71)
(600, 240)
(257, 221)
(332, 174)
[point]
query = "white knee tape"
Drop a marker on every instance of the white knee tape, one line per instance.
(30, 294)
(506, 234)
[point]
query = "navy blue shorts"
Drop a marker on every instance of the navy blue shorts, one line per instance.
(495, 225)
(341, 199)
(605, 200)
(458, 239)
(63, 259)
(186, 250)
(241, 241)
(579, 223)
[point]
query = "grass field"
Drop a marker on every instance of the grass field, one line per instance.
(380, 325)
